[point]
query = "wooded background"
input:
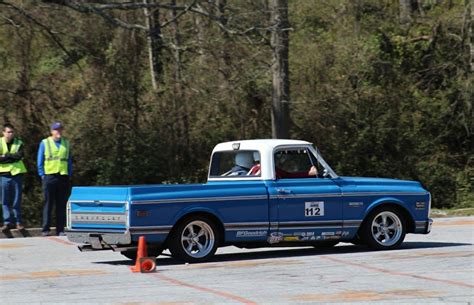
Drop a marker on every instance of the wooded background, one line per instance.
(147, 88)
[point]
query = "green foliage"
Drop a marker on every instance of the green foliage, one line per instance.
(386, 102)
(376, 98)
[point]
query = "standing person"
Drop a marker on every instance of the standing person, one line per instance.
(12, 169)
(55, 168)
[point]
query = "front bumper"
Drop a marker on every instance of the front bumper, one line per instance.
(424, 227)
(99, 240)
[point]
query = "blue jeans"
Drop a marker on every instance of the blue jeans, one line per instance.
(11, 198)
(56, 193)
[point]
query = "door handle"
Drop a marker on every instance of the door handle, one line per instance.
(284, 191)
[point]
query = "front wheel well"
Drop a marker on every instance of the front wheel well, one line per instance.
(409, 221)
(210, 216)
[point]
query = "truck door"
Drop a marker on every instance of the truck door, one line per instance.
(308, 207)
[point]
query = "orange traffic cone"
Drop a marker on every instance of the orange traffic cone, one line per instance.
(143, 263)
(147, 264)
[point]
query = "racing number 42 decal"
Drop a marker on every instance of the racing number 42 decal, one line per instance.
(314, 208)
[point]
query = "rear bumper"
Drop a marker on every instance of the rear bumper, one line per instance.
(99, 239)
(424, 227)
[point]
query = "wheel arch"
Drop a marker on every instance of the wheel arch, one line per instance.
(200, 212)
(394, 203)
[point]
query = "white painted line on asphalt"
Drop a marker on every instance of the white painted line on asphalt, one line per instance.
(397, 273)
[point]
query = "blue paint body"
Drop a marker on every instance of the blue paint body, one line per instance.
(250, 211)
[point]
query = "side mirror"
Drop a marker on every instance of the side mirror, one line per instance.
(325, 173)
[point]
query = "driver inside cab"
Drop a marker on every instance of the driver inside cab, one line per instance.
(244, 162)
(294, 163)
(280, 173)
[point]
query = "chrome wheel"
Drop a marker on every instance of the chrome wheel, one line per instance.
(197, 239)
(387, 228)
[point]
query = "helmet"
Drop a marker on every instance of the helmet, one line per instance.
(256, 156)
(244, 159)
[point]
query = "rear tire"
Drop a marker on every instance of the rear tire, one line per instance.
(194, 240)
(384, 229)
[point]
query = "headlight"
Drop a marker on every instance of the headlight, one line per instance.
(429, 204)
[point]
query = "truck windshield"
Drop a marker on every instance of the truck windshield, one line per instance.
(235, 163)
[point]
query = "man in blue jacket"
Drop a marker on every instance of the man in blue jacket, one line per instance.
(55, 168)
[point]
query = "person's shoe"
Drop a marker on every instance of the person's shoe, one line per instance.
(45, 233)
(5, 228)
(20, 227)
(61, 234)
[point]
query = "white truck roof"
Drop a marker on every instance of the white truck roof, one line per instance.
(259, 144)
(265, 147)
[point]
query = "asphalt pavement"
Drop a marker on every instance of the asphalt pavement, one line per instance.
(429, 269)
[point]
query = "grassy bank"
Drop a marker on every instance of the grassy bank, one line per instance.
(452, 212)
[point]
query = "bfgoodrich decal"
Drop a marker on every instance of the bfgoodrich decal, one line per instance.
(251, 233)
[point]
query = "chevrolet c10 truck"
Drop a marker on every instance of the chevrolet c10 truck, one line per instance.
(259, 193)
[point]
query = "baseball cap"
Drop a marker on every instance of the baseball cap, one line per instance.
(56, 125)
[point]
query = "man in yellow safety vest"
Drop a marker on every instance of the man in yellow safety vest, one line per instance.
(55, 168)
(12, 169)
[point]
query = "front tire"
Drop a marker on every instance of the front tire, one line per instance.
(194, 240)
(384, 229)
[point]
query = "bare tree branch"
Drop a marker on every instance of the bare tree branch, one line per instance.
(177, 16)
(48, 31)
(118, 22)
(10, 21)
(98, 8)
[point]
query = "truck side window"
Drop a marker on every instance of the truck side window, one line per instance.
(295, 163)
(240, 163)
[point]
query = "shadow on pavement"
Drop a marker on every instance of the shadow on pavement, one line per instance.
(165, 260)
(15, 233)
(430, 244)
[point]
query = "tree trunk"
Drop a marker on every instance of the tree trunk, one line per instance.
(225, 67)
(406, 11)
(280, 72)
(471, 32)
(357, 8)
(180, 104)
(155, 44)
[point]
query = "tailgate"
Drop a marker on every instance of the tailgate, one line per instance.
(98, 209)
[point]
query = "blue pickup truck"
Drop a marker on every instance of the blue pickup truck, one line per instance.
(259, 193)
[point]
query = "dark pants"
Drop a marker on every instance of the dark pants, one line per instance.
(56, 193)
(11, 198)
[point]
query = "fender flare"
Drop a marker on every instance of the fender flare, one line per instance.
(199, 210)
(191, 210)
(395, 202)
